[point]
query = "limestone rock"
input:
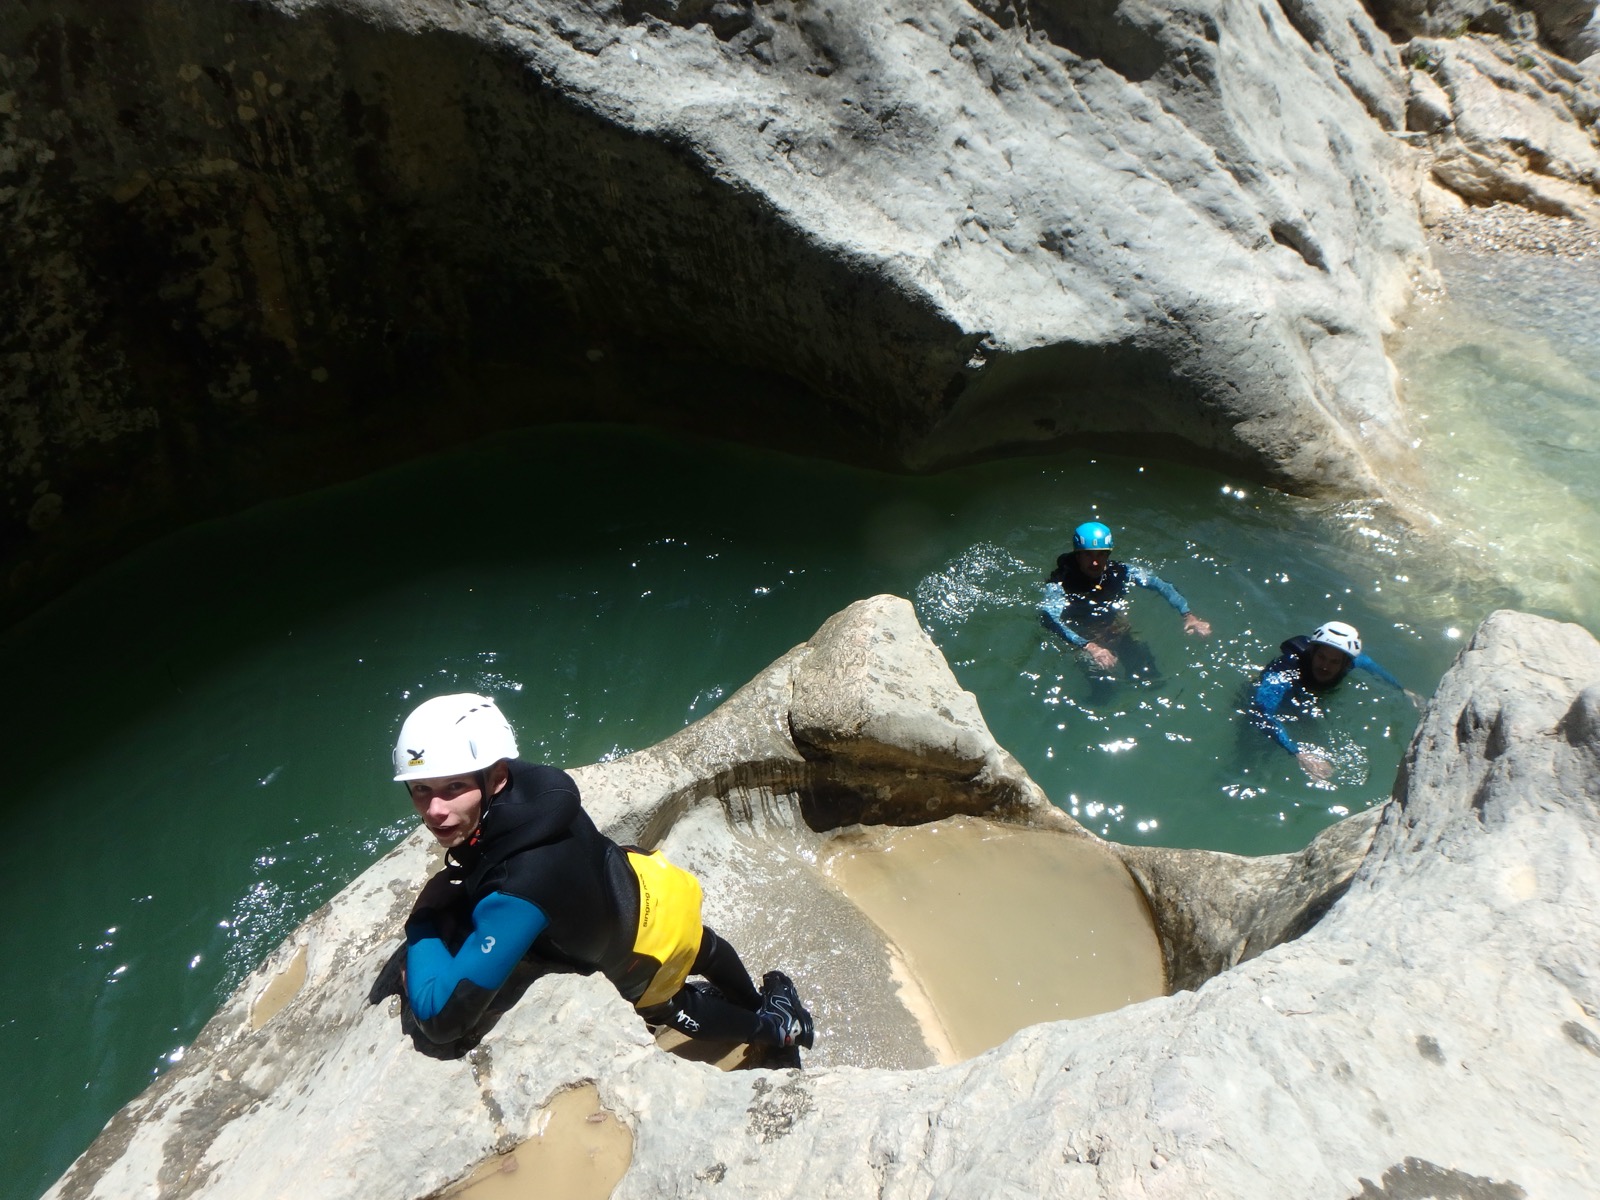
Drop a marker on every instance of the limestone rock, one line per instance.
(1453, 18)
(1213, 911)
(255, 247)
(1428, 107)
(864, 690)
(1521, 124)
(1433, 1033)
(1565, 26)
(1569, 27)
(864, 722)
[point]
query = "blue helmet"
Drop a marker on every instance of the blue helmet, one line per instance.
(1091, 535)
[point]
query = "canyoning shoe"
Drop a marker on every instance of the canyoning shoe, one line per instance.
(775, 1059)
(781, 1012)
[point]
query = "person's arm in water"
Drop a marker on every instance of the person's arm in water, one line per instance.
(1372, 667)
(1140, 577)
(449, 991)
(1055, 603)
(1270, 694)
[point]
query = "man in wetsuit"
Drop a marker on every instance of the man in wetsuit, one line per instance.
(528, 874)
(1309, 667)
(1087, 594)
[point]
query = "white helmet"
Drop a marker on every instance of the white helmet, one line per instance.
(1340, 636)
(452, 735)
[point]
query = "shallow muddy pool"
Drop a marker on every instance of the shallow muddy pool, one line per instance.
(1000, 927)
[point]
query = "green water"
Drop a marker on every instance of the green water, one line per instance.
(203, 731)
(1503, 381)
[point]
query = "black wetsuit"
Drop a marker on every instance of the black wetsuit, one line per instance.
(1111, 586)
(1088, 601)
(1080, 609)
(1288, 680)
(537, 879)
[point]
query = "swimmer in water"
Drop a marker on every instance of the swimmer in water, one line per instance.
(1086, 600)
(1309, 667)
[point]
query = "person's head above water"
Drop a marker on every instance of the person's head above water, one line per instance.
(1091, 546)
(451, 756)
(1333, 648)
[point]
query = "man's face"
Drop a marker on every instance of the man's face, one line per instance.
(1093, 562)
(450, 807)
(1327, 664)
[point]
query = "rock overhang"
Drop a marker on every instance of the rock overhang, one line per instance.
(285, 237)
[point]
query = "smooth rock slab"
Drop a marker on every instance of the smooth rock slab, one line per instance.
(1435, 1033)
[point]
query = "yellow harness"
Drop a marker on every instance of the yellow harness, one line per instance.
(669, 923)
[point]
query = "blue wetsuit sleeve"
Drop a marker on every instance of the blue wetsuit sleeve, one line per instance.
(1149, 579)
(448, 993)
(1362, 662)
(1274, 686)
(1055, 602)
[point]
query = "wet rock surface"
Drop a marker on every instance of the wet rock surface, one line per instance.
(1433, 1032)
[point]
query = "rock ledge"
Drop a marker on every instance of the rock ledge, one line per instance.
(1435, 1023)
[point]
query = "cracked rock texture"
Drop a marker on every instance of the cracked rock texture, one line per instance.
(255, 247)
(1434, 1033)
(1505, 123)
(1568, 27)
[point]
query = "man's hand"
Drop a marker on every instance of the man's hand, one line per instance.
(1100, 656)
(1417, 702)
(1314, 765)
(1193, 624)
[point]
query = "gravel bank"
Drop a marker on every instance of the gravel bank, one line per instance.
(1500, 227)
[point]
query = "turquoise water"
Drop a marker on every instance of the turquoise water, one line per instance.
(203, 731)
(1503, 379)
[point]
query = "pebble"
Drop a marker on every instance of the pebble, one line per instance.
(1501, 227)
